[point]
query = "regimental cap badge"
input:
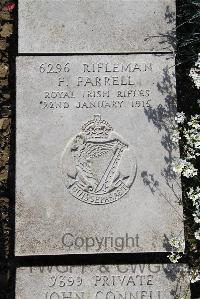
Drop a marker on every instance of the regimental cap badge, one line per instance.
(96, 129)
(99, 167)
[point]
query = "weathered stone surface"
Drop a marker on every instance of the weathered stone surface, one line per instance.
(104, 282)
(94, 154)
(93, 26)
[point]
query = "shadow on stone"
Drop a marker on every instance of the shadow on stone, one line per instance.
(169, 38)
(162, 118)
(166, 244)
(177, 273)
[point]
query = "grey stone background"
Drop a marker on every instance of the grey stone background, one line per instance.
(92, 26)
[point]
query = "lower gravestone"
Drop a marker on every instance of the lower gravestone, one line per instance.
(94, 154)
(103, 282)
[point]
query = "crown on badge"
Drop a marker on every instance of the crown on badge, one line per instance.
(97, 128)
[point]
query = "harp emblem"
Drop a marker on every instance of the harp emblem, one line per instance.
(95, 154)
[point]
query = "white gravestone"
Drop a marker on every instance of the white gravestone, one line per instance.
(94, 155)
(93, 26)
(140, 281)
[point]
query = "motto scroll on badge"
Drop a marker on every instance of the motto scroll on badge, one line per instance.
(98, 166)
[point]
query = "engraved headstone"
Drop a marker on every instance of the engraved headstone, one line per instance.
(94, 154)
(138, 281)
(93, 26)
